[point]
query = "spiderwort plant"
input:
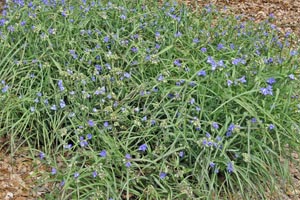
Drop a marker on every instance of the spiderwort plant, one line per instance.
(144, 99)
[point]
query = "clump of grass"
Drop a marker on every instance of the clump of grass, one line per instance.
(128, 100)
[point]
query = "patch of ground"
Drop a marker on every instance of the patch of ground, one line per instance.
(286, 12)
(20, 175)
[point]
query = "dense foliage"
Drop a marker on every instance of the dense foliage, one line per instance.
(131, 100)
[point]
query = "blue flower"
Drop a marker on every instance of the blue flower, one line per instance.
(230, 130)
(267, 91)
(212, 62)
(103, 154)
(143, 147)
(215, 125)
(242, 79)
(106, 39)
(160, 78)
(212, 164)
(76, 175)
(60, 85)
(53, 171)
(162, 175)
(196, 40)
(181, 154)
(134, 49)
(128, 164)
(32, 109)
(62, 103)
(220, 46)
(229, 83)
(230, 167)
(201, 73)
(127, 156)
(271, 126)
(105, 124)
(178, 34)
(91, 123)
(203, 49)
(89, 136)
(42, 155)
(177, 63)
(123, 17)
(292, 76)
(94, 174)
(271, 81)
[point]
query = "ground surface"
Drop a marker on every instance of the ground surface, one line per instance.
(20, 174)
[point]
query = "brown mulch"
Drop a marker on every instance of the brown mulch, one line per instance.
(286, 12)
(20, 174)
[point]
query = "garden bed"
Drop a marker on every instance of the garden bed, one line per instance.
(47, 161)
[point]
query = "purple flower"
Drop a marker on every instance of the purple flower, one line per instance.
(201, 73)
(105, 124)
(267, 91)
(192, 101)
(181, 154)
(60, 85)
(11, 28)
(127, 75)
(230, 130)
(212, 62)
(103, 154)
(160, 78)
(271, 81)
(83, 142)
(23, 23)
(127, 156)
(76, 174)
(229, 83)
(42, 155)
(53, 171)
(177, 63)
(215, 125)
(293, 53)
(94, 174)
(123, 17)
(68, 146)
(106, 39)
(128, 164)
(220, 46)
(91, 123)
(134, 49)
(162, 175)
(152, 122)
(292, 76)
(178, 34)
(32, 109)
(89, 136)
(143, 147)
(5, 88)
(62, 183)
(230, 168)
(196, 40)
(203, 49)
(212, 164)
(62, 103)
(271, 126)
(73, 54)
(242, 80)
